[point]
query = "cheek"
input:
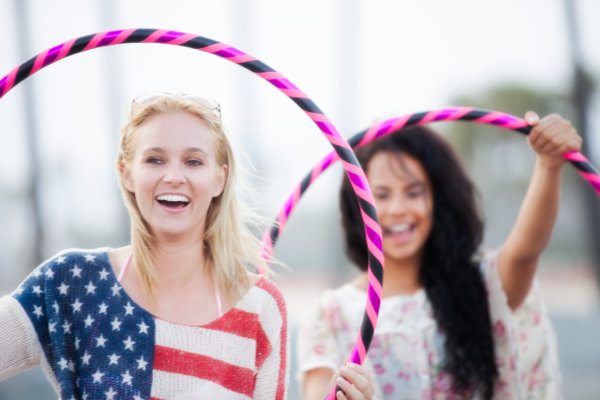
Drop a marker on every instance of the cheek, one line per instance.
(425, 209)
(381, 207)
(143, 182)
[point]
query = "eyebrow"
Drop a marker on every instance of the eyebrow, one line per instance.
(416, 183)
(185, 151)
(412, 185)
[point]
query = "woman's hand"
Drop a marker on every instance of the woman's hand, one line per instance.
(550, 137)
(354, 382)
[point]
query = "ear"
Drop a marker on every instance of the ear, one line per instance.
(220, 179)
(126, 177)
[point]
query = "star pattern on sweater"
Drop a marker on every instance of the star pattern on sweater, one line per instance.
(77, 305)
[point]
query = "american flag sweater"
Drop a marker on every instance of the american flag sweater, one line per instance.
(72, 318)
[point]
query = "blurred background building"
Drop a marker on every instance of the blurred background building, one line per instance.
(360, 61)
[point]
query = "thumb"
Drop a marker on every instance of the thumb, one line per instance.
(532, 118)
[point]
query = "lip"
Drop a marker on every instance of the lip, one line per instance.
(399, 227)
(174, 197)
(402, 236)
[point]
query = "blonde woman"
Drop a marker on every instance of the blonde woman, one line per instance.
(175, 314)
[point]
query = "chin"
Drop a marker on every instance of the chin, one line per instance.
(172, 233)
(403, 255)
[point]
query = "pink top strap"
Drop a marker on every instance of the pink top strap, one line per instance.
(217, 297)
(120, 277)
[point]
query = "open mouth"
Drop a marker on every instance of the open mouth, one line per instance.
(173, 200)
(399, 233)
(399, 228)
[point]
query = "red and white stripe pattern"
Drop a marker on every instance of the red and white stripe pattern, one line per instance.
(242, 355)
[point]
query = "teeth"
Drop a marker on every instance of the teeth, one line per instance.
(173, 198)
(399, 228)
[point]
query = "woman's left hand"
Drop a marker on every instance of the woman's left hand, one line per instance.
(355, 383)
(552, 136)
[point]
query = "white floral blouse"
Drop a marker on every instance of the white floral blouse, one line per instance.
(406, 352)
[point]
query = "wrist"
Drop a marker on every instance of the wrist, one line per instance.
(551, 162)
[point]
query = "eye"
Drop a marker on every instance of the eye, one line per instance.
(193, 162)
(416, 192)
(380, 195)
(154, 160)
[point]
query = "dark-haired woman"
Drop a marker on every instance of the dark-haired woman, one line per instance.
(454, 322)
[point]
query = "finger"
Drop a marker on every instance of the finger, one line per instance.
(554, 130)
(554, 140)
(538, 133)
(350, 391)
(571, 145)
(340, 395)
(532, 118)
(357, 375)
(560, 134)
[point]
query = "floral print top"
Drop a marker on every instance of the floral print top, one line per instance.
(407, 350)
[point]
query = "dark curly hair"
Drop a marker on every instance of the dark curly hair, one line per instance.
(449, 272)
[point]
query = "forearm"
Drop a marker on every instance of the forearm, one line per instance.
(18, 347)
(531, 233)
(317, 382)
(533, 227)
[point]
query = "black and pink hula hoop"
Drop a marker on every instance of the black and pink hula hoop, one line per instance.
(341, 147)
(379, 129)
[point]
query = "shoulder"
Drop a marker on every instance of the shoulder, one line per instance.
(63, 267)
(69, 258)
(264, 304)
(333, 304)
(488, 267)
(76, 264)
(267, 293)
(347, 294)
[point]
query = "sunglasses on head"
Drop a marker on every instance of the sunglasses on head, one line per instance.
(205, 102)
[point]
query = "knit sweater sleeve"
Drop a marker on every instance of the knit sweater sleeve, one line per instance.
(273, 359)
(19, 347)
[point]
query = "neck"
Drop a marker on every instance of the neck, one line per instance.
(399, 276)
(180, 263)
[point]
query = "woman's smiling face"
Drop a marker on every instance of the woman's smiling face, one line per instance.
(404, 203)
(174, 173)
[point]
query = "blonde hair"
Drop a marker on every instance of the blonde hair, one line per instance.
(229, 241)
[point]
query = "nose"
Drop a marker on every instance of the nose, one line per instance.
(397, 204)
(174, 175)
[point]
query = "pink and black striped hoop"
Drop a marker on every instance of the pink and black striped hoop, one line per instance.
(379, 129)
(496, 118)
(341, 147)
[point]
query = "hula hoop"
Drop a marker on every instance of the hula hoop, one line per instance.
(341, 147)
(469, 114)
(480, 116)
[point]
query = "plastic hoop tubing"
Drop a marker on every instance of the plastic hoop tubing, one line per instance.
(500, 119)
(341, 146)
(480, 116)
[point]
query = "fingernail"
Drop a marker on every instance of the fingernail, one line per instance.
(531, 117)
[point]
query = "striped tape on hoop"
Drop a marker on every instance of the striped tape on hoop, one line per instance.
(379, 129)
(341, 147)
(480, 116)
